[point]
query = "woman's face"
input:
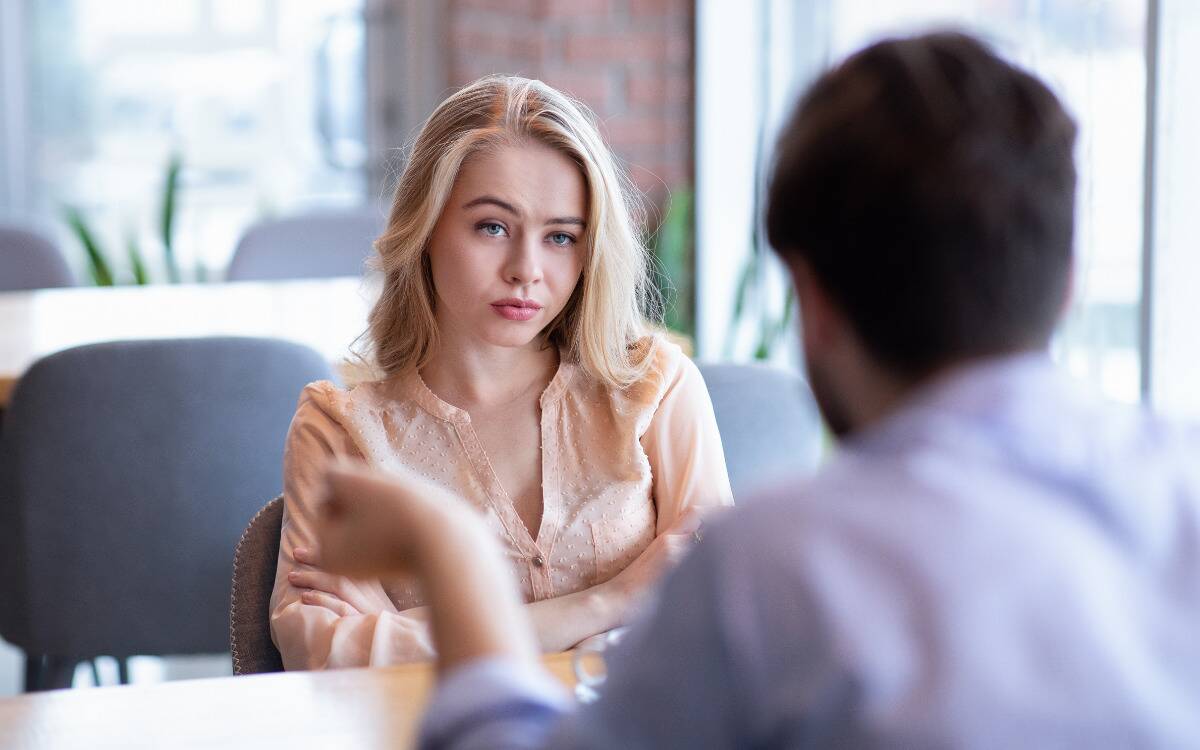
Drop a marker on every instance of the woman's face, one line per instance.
(507, 251)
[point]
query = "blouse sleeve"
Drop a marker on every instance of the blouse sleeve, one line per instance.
(313, 637)
(684, 446)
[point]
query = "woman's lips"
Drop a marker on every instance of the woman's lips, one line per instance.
(516, 309)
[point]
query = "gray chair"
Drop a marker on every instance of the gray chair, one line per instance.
(770, 426)
(127, 472)
(30, 261)
(254, 562)
(312, 246)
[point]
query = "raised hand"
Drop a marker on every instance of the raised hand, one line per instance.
(373, 524)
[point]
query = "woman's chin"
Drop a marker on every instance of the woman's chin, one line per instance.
(510, 336)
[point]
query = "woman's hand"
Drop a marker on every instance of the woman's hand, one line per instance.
(664, 553)
(341, 595)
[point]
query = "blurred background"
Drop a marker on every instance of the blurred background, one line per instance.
(146, 137)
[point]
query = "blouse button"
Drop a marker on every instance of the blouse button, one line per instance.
(538, 561)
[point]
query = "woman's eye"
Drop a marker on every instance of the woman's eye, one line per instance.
(562, 239)
(492, 229)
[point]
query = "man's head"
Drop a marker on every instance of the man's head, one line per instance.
(923, 197)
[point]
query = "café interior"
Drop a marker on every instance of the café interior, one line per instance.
(190, 196)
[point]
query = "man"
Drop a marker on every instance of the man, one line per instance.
(991, 559)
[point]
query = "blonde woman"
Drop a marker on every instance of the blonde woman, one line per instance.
(515, 368)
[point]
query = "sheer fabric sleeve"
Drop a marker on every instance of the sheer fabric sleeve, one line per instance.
(684, 446)
(308, 636)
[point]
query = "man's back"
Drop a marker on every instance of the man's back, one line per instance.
(991, 560)
(1002, 563)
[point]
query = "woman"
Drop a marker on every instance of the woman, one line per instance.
(515, 369)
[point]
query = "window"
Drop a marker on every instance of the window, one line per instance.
(263, 105)
(1123, 332)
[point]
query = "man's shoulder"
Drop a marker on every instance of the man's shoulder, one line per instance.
(1125, 493)
(848, 503)
(845, 481)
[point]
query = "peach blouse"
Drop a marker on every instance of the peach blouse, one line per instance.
(618, 467)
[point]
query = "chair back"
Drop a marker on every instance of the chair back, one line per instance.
(128, 472)
(30, 261)
(769, 423)
(254, 563)
(312, 246)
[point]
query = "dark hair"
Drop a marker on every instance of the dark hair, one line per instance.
(930, 185)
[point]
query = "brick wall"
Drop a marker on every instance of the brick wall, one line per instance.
(629, 60)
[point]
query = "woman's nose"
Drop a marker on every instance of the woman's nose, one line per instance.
(524, 263)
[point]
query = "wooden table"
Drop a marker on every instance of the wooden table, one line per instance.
(325, 314)
(355, 708)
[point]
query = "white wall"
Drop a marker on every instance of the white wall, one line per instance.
(728, 100)
(1174, 354)
(13, 111)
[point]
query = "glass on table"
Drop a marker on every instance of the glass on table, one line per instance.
(588, 663)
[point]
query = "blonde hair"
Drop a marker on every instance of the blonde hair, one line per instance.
(604, 324)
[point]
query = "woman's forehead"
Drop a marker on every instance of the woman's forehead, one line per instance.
(531, 180)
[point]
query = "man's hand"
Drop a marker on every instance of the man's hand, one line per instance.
(374, 524)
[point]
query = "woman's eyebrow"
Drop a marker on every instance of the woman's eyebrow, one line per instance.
(491, 200)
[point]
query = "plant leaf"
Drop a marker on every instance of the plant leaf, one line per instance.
(98, 266)
(167, 217)
(672, 243)
(137, 261)
(763, 350)
(789, 303)
(747, 285)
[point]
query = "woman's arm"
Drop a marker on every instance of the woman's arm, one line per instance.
(308, 635)
(558, 623)
(564, 621)
(684, 449)
(372, 525)
(684, 446)
(320, 619)
(690, 478)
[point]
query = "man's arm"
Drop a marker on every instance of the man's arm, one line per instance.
(674, 685)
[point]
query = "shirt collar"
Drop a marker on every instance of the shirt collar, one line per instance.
(999, 392)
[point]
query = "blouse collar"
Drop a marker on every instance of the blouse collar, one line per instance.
(420, 392)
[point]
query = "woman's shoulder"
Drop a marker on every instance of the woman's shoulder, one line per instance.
(339, 403)
(665, 366)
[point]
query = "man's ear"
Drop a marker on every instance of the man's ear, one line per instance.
(1068, 293)
(819, 321)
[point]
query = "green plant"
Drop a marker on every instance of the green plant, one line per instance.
(757, 301)
(100, 267)
(754, 302)
(167, 217)
(137, 262)
(672, 244)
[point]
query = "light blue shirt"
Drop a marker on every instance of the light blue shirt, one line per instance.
(1004, 562)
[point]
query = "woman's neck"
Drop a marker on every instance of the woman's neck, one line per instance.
(489, 377)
